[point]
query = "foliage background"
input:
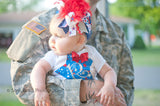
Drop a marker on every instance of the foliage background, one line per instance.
(18, 5)
(146, 11)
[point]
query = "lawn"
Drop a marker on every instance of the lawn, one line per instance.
(7, 97)
(147, 57)
(9, 100)
(147, 98)
(3, 55)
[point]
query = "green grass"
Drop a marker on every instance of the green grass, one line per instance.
(7, 97)
(147, 57)
(11, 103)
(3, 55)
(147, 98)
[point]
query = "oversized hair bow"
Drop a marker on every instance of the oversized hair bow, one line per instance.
(58, 4)
(77, 16)
(70, 23)
(83, 57)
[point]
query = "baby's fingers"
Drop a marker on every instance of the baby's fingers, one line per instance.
(36, 103)
(109, 101)
(48, 103)
(39, 103)
(113, 99)
(45, 103)
(42, 103)
(105, 101)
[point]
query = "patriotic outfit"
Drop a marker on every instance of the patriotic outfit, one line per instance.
(82, 65)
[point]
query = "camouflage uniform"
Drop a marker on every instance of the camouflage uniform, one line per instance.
(29, 47)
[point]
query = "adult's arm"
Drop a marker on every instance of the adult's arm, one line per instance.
(89, 89)
(25, 51)
(126, 74)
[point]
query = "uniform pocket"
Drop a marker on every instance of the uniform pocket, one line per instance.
(22, 46)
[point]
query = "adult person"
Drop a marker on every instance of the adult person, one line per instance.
(107, 37)
(110, 41)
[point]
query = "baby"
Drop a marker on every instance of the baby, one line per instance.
(70, 57)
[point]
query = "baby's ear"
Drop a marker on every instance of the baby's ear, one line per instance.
(82, 39)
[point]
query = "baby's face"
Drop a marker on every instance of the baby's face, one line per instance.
(60, 42)
(63, 45)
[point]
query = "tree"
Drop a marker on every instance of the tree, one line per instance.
(139, 43)
(17, 5)
(146, 11)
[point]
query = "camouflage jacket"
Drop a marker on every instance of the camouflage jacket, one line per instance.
(29, 46)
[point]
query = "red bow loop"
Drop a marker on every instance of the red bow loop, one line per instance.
(83, 57)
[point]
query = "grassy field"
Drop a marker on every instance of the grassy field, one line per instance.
(147, 98)
(9, 100)
(7, 97)
(147, 57)
(3, 55)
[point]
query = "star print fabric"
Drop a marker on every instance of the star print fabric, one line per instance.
(75, 70)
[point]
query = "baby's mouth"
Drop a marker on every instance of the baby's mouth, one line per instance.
(52, 46)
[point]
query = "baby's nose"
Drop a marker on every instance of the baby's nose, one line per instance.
(53, 41)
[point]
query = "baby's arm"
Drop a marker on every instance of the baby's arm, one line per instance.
(107, 92)
(38, 76)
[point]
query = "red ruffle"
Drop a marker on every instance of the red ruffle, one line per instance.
(79, 7)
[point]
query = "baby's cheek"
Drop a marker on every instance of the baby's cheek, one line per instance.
(50, 44)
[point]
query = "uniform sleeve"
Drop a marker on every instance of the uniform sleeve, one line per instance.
(98, 60)
(126, 74)
(50, 57)
(25, 51)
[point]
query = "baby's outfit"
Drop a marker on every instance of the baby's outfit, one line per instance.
(82, 65)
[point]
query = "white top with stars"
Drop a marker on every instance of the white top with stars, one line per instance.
(56, 61)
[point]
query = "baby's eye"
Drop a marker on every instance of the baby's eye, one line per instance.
(55, 35)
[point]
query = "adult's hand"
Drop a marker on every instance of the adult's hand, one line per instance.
(90, 88)
(119, 98)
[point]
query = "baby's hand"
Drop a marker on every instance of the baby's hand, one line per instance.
(106, 95)
(41, 98)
